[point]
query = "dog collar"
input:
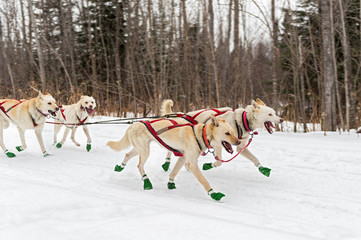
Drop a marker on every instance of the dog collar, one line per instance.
(246, 124)
(45, 115)
(204, 137)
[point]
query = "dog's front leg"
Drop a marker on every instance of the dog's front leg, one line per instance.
(218, 152)
(193, 167)
(166, 164)
(175, 171)
(247, 153)
(89, 140)
(39, 136)
(22, 138)
(72, 137)
(66, 132)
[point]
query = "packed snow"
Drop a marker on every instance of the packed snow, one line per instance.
(314, 191)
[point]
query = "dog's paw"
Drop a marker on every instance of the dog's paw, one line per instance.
(207, 166)
(118, 168)
(9, 154)
(171, 185)
(19, 148)
(45, 154)
(165, 166)
(59, 145)
(217, 196)
(88, 147)
(147, 184)
(265, 171)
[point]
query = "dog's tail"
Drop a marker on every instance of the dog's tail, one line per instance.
(121, 144)
(166, 107)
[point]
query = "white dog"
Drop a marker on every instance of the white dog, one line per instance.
(26, 114)
(186, 140)
(73, 116)
(243, 121)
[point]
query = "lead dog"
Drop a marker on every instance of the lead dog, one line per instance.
(243, 121)
(26, 114)
(191, 141)
(77, 114)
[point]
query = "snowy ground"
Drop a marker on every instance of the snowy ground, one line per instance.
(314, 192)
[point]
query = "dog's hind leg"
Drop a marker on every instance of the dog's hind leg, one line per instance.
(132, 153)
(89, 140)
(174, 173)
(143, 149)
(193, 167)
(22, 138)
(8, 154)
(166, 164)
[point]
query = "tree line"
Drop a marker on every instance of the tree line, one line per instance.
(130, 55)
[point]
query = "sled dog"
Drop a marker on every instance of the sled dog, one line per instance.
(189, 140)
(78, 114)
(26, 114)
(242, 120)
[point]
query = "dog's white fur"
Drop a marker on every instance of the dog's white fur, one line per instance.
(82, 109)
(257, 114)
(22, 115)
(180, 138)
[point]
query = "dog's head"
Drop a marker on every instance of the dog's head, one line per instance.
(47, 104)
(87, 104)
(223, 133)
(262, 115)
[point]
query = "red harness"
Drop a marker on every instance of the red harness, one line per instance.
(6, 111)
(155, 134)
(193, 119)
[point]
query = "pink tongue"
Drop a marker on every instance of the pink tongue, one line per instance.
(91, 111)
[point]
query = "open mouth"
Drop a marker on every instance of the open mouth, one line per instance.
(90, 111)
(227, 146)
(52, 113)
(269, 125)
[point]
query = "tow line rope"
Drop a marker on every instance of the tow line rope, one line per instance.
(116, 121)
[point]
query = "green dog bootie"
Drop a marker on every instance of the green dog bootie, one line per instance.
(165, 166)
(19, 148)
(59, 145)
(88, 147)
(207, 166)
(9, 154)
(171, 184)
(45, 154)
(216, 196)
(119, 168)
(147, 183)
(265, 171)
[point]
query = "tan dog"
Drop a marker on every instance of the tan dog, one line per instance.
(78, 113)
(258, 116)
(26, 114)
(186, 139)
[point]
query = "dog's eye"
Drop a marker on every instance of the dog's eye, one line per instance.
(49, 103)
(270, 114)
(227, 133)
(86, 102)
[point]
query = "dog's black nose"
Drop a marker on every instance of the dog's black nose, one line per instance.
(56, 109)
(281, 120)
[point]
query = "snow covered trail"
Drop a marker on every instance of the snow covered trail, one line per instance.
(314, 191)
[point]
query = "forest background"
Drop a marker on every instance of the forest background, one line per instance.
(304, 59)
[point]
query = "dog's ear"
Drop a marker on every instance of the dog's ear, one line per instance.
(40, 95)
(214, 120)
(254, 104)
(259, 101)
